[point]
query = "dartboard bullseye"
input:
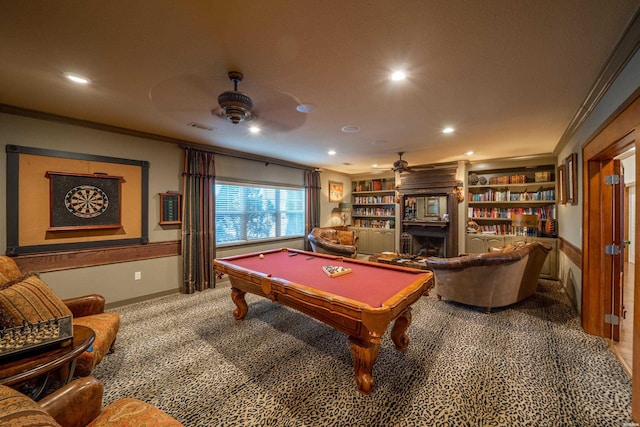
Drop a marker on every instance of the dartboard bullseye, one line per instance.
(86, 201)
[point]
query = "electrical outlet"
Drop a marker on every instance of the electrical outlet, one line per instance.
(137, 275)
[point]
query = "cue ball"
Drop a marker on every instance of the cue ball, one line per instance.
(261, 256)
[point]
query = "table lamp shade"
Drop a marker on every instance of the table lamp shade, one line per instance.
(344, 206)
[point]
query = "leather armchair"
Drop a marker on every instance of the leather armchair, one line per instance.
(78, 404)
(87, 310)
(492, 279)
(335, 242)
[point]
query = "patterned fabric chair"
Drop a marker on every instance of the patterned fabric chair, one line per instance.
(86, 310)
(78, 404)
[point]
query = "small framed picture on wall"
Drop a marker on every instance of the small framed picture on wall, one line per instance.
(571, 166)
(336, 191)
(170, 208)
(562, 185)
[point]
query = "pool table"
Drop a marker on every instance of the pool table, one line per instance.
(361, 304)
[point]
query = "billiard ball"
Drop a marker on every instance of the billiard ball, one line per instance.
(261, 256)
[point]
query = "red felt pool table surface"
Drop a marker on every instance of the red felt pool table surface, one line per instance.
(369, 283)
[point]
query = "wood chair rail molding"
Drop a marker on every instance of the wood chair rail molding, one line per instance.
(55, 261)
(574, 253)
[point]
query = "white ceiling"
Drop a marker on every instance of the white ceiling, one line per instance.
(508, 75)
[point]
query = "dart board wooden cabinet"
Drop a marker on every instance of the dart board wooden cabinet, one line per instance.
(84, 201)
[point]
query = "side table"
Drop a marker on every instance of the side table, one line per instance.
(39, 365)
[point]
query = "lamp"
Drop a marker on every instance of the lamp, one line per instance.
(236, 106)
(524, 225)
(345, 208)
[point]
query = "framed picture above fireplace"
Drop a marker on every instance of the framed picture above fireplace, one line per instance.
(435, 208)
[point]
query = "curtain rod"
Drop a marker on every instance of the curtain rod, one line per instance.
(248, 156)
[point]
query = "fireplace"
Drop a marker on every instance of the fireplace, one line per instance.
(429, 225)
(429, 207)
(424, 241)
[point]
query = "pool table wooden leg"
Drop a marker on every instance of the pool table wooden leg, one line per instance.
(241, 305)
(364, 357)
(399, 331)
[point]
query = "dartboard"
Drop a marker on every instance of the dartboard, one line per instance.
(86, 201)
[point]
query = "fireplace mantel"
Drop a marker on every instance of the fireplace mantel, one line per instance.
(427, 183)
(441, 224)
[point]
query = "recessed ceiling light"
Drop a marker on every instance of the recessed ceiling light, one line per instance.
(448, 130)
(469, 153)
(398, 75)
(254, 129)
(350, 129)
(332, 152)
(375, 165)
(77, 78)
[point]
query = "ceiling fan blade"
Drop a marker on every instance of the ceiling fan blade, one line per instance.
(193, 98)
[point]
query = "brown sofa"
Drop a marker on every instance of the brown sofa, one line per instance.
(492, 279)
(86, 310)
(328, 240)
(78, 404)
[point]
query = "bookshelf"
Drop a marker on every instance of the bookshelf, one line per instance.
(374, 214)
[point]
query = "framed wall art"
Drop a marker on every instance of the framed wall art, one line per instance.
(83, 201)
(571, 171)
(336, 192)
(170, 208)
(58, 201)
(562, 185)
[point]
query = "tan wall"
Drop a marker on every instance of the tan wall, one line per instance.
(116, 281)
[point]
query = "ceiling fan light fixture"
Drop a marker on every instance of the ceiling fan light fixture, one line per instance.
(236, 106)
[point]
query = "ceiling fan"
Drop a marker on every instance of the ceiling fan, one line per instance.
(234, 106)
(402, 165)
(191, 99)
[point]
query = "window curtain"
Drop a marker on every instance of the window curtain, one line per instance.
(312, 184)
(198, 231)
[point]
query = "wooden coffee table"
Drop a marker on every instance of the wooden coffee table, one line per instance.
(396, 259)
(38, 366)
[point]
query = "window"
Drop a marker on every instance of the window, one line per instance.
(246, 213)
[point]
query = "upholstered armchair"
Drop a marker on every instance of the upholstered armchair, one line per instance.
(87, 310)
(335, 242)
(78, 404)
(493, 279)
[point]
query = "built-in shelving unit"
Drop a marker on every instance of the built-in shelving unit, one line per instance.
(374, 204)
(496, 196)
(374, 214)
(501, 195)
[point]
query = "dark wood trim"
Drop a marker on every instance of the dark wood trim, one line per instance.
(110, 306)
(572, 252)
(40, 115)
(13, 196)
(66, 260)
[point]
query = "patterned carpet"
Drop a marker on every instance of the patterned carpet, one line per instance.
(527, 365)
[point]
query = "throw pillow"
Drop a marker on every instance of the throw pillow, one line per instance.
(29, 299)
(9, 270)
(16, 409)
(345, 237)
